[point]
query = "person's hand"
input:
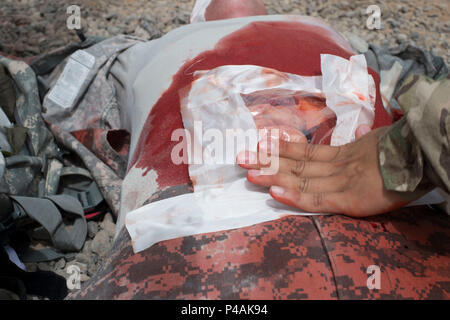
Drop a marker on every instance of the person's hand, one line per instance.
(319, 178)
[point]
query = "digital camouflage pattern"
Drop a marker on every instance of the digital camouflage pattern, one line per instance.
(35, 170)
(296, 257)
(92, 127)
(107, 180)
(110, 146)
(418, 145)
(28, 107)
(32, 169)
(7, 94)
(95, 105)
(26, 171)
(396, 65)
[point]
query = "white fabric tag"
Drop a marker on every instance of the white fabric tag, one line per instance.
(72, 78)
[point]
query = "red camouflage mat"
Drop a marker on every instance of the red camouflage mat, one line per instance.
(297, 257)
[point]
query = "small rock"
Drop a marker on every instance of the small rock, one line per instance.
(92, 269)
(394, 23)
(385, 43)
(101, 243)
(343, 5)
(132, 17)
(350, 14)
(87, 248)
(84, 277)
(108, 225)
(113, 30)
(92, 227)
(414, 35)
(82, 258)
(57, 43)
(32, 49)
(181, 18)
(150, 27)
(110, 228)
(107, 218)
(38, 26)
(42, 41)
(401, 37)
(130, 27)
(62, 273)
(19, 47)
(60, 264)
(31, 267)
(43, 266)
(111, 15)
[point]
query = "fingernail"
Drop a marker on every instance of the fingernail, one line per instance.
(254, 173)
(278, 191)
(268, 148)
(263, 145)
(241, 157)
(246, 157)
(251, 158)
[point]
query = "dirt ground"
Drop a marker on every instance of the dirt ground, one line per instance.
(30, 27)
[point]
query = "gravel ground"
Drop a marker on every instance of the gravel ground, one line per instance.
(31, 27)
(88, 260)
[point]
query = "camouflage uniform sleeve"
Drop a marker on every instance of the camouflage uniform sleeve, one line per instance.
(417, 147)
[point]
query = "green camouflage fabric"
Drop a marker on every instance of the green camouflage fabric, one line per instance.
(7, 94)
(417, 147)
(28, 107)
(110, 146)
(91, 128)
(107, 180)
(95, 105)
(26, 170)
(32, 169)
(17, 137)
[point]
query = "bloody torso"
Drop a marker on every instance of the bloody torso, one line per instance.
(291, 47)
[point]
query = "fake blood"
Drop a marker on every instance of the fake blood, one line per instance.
(285, 46)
